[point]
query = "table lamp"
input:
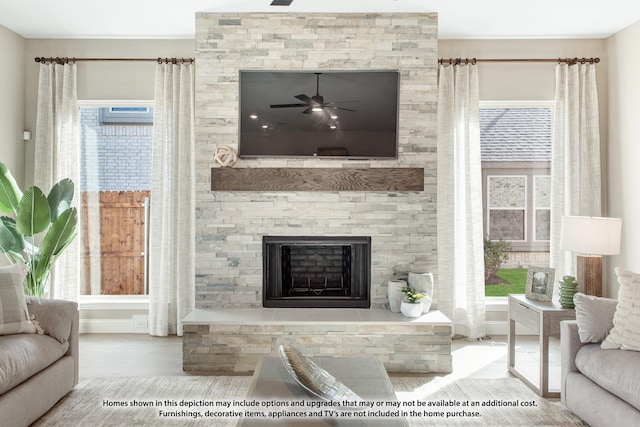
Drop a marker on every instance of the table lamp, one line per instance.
(590, 238)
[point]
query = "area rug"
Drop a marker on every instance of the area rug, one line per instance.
(480, 402)
(219, 401)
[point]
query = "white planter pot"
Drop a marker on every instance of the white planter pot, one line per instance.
(411, 309)
(394, 293)
(423, 284)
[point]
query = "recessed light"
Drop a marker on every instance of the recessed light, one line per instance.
(265, 126)
(333, 116)
(281, 2)
(253, 116)
(333, 126)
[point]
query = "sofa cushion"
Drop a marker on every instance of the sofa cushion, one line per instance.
(24, 355)
(614, 370)
(594, 316)
(14, 316)
(626, 321)
(55, 317)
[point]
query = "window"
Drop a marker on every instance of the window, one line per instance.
(518, 206)
(516, 167)
(115, 184)
(506, 207)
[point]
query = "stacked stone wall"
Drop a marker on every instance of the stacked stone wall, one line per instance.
(230, 225)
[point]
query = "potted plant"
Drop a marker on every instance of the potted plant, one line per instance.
(37, 229)
(411, 306)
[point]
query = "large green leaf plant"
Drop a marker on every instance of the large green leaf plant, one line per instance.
(37, 228)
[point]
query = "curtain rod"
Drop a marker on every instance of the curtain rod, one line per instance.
(67, 60)
(570, 61)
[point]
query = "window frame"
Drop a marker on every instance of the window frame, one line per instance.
(107, 115)
(535, 208)
(119, 302)
(489, 208)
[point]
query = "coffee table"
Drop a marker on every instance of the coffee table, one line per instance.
(365, 376)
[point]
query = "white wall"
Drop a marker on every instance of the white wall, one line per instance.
(624, 147)
(100, 80)
(12, 88)
(516, 81)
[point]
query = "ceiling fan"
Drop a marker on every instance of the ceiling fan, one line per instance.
(314, 103)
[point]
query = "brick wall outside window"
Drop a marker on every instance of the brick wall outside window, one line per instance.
(115, 157)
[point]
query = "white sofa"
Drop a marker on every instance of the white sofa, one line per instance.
(601, 386)
(37, 370)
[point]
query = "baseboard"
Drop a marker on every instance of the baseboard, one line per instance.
(111, 326)
(496, 328)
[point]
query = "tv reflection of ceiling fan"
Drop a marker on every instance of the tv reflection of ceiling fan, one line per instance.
(314, 103)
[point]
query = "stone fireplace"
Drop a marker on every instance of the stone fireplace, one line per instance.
(321, 271)
(230, 330)
(230, 224)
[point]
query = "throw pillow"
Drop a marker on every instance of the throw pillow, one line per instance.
(14, 316)
(594, 316)
(625, 334)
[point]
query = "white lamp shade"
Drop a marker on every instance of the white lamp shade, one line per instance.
(590, 235)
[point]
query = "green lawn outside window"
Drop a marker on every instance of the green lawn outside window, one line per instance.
(516, 281)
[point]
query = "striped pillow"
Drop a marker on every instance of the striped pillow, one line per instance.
(625, 334)
(14, 316)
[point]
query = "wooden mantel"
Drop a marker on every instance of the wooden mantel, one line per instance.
(317, 179)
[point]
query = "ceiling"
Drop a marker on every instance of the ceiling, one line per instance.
(458, 19)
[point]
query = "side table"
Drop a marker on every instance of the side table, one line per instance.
(543, 318)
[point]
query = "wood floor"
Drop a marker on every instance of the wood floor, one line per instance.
(126, 355)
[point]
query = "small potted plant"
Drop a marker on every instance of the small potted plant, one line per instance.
(411, 306)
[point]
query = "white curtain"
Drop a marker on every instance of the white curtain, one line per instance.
(575, 155)
(460, 231)
(57, 156)
(172, 214)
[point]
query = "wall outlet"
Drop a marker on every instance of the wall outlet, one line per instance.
(140, 323)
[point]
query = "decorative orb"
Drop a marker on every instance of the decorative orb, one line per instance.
(226, 156)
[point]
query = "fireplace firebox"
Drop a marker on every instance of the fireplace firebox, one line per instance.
(321, 272)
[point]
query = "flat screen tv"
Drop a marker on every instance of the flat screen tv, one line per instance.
(350, 114)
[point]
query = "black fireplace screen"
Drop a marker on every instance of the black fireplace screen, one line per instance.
(316, 271)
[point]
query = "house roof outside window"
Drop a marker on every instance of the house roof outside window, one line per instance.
(516, 134)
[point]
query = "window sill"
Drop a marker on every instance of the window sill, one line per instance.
(496, 304)
(114, 302)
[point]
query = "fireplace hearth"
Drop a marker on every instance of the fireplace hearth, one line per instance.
(320, 272)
